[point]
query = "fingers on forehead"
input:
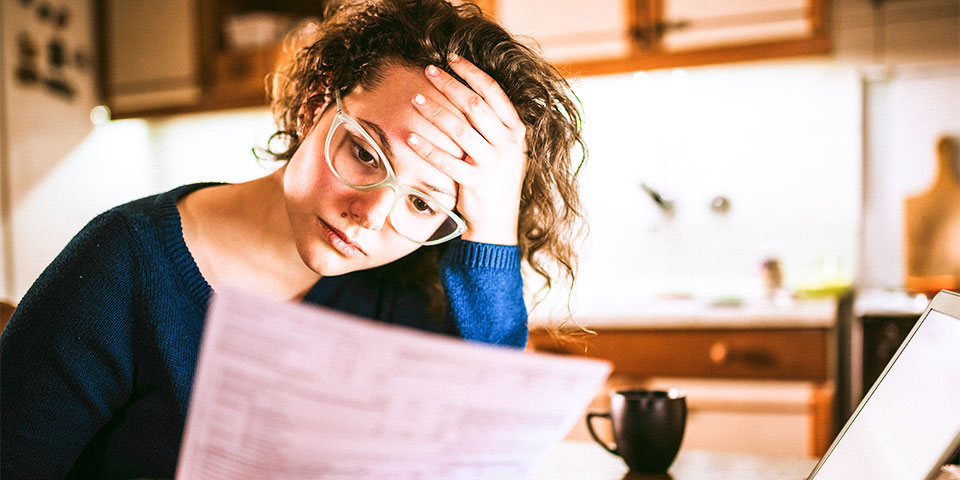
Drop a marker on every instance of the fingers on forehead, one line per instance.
(439, 98)
(431, 132)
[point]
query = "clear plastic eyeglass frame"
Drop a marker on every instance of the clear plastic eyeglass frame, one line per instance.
(391, 180)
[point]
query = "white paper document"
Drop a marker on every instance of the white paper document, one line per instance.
(289, 391)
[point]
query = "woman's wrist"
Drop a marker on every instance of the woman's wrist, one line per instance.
(468, 253)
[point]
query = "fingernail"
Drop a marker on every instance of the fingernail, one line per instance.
(420, 99)
(433, 71)
(413, 139)
(453, 58)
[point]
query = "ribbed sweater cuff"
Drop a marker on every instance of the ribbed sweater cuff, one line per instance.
(483, 255)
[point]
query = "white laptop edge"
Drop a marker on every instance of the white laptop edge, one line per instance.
(946, 302)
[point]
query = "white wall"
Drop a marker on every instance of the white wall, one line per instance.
(210, 147)
(121, 161)
(780, 140)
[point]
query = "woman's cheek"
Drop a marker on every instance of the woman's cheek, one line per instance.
(292, 179)
(304, 185)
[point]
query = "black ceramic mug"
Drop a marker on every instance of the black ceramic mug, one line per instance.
(647, 427)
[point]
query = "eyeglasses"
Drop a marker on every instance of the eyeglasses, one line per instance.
(358, 162)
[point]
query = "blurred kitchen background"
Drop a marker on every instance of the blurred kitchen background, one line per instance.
(749, 166)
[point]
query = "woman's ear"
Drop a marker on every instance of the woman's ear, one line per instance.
(310, 112)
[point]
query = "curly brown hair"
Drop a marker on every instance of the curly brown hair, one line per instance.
(356, 41)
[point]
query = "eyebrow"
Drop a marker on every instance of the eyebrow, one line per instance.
(385, 145)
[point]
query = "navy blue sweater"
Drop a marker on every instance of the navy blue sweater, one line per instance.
(97, 363)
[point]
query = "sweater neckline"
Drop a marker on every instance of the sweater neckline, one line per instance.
(182, 259)
(184, 263)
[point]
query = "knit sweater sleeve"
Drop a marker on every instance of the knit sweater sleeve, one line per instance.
(66, 353)
(484, 292)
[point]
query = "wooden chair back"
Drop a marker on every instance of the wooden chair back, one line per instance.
(6, 311)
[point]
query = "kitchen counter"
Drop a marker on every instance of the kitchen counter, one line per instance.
(701, 314)
(743, 345)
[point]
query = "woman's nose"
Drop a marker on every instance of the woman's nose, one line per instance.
(371, 208)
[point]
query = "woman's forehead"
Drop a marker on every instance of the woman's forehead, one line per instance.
(398, 86)
(389, 120)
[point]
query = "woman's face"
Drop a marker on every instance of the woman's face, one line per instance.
(337, 228)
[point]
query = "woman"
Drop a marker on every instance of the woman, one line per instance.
(407, 124)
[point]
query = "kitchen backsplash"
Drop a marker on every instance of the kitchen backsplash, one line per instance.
(751, 163)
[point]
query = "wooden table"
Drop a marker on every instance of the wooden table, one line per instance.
(587, 461)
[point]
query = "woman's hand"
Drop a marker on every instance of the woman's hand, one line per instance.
(490, 175)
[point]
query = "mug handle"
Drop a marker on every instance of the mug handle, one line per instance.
(590, 417)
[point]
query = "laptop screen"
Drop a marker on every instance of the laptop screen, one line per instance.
(906, 423)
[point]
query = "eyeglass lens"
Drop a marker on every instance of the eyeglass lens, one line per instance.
(357, 162)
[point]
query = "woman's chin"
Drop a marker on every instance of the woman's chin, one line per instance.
(326, 264)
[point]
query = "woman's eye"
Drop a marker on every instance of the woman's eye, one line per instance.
(421, 205)
(365, 156)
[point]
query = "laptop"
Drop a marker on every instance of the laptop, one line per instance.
(908, 424)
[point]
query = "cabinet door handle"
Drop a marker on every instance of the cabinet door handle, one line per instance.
(644, 29)
(720, 353)
(663, 27)
(648, 27)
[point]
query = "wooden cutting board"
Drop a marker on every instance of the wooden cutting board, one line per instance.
(932, 226)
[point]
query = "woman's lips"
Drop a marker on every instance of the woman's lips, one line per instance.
(340, 241)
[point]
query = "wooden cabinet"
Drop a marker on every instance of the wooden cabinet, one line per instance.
(176, 56)
(615, 36)
(150, 62)
(774, 354)
(239, 77)
(570, 31)
(699, 24)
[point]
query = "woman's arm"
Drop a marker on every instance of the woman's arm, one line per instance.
(66, 353)
(484, 292)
